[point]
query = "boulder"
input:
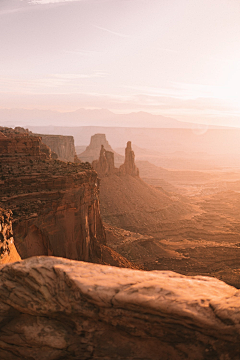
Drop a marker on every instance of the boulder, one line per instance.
(54, 308)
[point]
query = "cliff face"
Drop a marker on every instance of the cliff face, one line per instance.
(54, 308)
(55, 204)
(22, 141)
(17, 145)
(8, 252)
(63, 146)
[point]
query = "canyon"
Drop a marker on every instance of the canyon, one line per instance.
(56, 308)
(181, 220)
(55, 204)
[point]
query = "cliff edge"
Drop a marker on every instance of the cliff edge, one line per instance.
(55, 204)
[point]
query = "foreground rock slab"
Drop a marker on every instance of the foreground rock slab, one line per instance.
(53, 308)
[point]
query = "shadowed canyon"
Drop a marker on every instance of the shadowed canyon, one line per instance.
(134, 245)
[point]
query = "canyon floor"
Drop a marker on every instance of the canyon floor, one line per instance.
(179, 220)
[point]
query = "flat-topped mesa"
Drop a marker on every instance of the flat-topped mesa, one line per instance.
(53, 146)
(129, 167)
(98, 140)
(93, 149)
(63, 146)
(8, 252)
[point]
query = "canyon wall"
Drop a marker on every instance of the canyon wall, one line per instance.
(53, 308)
(55, 204)
(63, 146)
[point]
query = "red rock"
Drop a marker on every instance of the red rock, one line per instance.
(8, 252)
(105, 164)
(129, 167)
(53, 308)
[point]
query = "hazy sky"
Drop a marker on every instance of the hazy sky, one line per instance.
(172, 57)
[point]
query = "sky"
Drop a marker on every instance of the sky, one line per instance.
(177, 58)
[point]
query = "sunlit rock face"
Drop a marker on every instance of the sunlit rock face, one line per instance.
(129, 166)
(53, 308)
(105, 163)
(63, 146)
(55, 204)
(8, 252)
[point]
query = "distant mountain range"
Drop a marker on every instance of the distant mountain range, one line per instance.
(84, 117)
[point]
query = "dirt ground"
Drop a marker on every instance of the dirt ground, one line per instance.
(197, 233)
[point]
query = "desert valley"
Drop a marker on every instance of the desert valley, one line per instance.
(108, 207)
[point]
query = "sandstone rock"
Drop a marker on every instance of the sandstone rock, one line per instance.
(52, 308)
(62, 146)
(55, 204)
(15, 146)
(8, 252)
(92, 151)
(105, 164)
(129, 166)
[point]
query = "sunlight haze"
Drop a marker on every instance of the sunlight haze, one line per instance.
(175, 58)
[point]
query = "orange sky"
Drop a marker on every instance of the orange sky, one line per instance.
(178, 58)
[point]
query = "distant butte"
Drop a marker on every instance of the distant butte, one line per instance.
(93, 149)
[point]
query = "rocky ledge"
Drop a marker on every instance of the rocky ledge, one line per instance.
(54, 308)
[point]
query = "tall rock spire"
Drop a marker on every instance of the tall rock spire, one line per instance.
(129, 166)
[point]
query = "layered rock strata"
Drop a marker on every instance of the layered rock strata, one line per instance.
(63, 146)
(17, 144)
(56, 146)
(8, 252)
(53, 308)
(55, 204)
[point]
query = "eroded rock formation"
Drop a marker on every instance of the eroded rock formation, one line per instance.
(18, 143)
(55, 204)
(92, 151)
(55, 146)
(63, 146)
(105, 164)
(53, 308)
(8, 252)
(129, 167)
